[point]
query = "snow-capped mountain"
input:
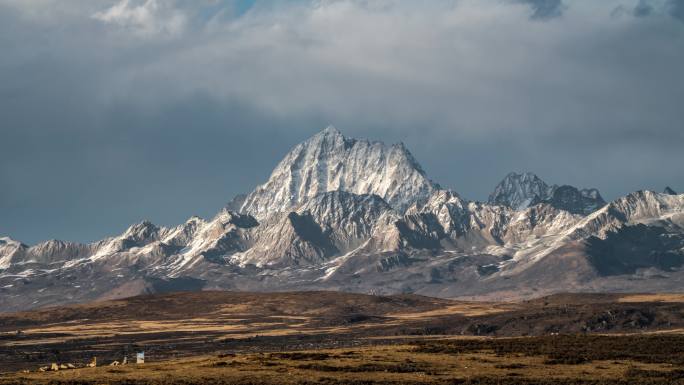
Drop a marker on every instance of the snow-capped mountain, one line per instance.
(329, 162)
(524, 190)
(641, 207)
(10, 251)
(330, 224)
(346, 214)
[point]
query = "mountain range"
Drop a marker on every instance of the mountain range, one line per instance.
(354, 215)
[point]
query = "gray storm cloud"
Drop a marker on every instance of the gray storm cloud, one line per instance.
(545, 9)
(115, 111)
(673, 8)
(643, 8)
(676, 9)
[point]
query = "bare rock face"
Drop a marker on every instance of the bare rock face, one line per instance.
(576, 201)
(669, 191)
(634, 247)
(346, 214)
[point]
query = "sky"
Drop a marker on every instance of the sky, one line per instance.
(117, 111)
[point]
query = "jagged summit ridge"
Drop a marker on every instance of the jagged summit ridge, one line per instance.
(520, 191)
(329, 161)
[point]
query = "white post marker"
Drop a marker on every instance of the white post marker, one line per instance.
(140, 358)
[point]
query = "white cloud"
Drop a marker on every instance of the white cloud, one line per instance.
(147, 18)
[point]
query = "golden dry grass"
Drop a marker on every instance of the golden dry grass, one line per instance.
(383, 364)
(467, 309)
(233, 321)
(669, 297)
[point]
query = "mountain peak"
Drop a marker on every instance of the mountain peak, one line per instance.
(522, 190)
(195, 219)
(328, 161)
(329, 140)
(519, 190)
(329, 134)
(9, 241)
(571, 199)
(527, 175)
(669, 191)
(141, 231)
(330, 131)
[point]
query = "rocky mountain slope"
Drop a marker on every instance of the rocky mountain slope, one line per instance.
(353, 215)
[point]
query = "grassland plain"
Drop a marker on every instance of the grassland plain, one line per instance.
(338, 338)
